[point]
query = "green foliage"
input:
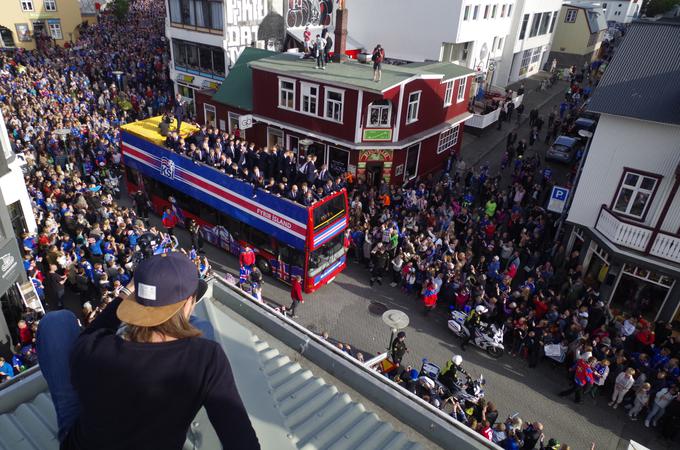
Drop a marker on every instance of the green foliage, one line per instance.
(120, 8)
(655, 7)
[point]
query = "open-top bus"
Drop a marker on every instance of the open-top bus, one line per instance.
(288, 238)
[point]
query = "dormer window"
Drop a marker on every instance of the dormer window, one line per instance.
(380, 114)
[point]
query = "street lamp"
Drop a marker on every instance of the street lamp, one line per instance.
(396, 320)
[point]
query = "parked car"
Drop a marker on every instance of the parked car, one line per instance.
(562, 150)
(582, 123)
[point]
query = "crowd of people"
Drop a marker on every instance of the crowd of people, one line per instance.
(461, 240)
(63, 108)
(275, 170)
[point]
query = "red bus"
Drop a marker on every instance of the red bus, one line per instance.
(288, 238)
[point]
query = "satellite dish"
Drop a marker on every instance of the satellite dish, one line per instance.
(484, 51)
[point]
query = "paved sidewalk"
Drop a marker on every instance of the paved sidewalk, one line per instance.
(490, 144)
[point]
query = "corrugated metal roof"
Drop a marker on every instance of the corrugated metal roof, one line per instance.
(237, 89)
(290, 407)
(643, 79)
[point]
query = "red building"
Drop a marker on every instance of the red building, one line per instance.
(404, 126)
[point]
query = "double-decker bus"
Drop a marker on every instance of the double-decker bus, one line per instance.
(288, 238)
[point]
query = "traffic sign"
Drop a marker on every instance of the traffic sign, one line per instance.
(558, 199)
(245, 121)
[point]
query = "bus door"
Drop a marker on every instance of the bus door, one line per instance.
(290, 262)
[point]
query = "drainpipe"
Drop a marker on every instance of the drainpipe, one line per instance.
(666, 208)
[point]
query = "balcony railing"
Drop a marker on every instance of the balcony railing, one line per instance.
(637, 237)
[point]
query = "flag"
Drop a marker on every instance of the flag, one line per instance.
(243, 274)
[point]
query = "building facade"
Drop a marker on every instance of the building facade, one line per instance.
(621, 12)
(16, 217)
(471, 33)
(207, 37)
(31, 23)
(578, 35)
(400, 128)
(529, 41)
(626, 208)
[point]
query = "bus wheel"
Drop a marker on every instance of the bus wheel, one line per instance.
(264, 266)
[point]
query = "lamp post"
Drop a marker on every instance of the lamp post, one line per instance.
(396, 320)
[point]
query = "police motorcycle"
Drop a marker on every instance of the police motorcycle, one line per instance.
(488, 337)
(463, 389)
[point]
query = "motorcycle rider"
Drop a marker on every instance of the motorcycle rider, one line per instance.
(449, 375)
(473, 322)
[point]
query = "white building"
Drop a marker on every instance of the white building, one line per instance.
(13, 187)
(626, 208)
(528, 44)
(468, 32)
(207, 36)
(621, 11)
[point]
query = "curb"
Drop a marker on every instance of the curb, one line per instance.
(502, 138)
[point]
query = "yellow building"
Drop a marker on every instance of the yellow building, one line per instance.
(579, 33)
(28, 23)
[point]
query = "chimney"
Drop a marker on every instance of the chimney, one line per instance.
(340, 33)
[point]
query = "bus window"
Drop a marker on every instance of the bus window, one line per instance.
(327, 254)
(260, 240)
(325, 213)
(232, 226)
(291, 256)
(208, 214)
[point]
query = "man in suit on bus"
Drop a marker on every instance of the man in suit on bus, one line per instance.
(179, 111)
(324, 176)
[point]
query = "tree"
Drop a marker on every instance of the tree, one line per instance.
(654, 7)
(120, 8)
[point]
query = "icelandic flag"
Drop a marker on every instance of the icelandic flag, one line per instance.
(280, 269)
(243, 275)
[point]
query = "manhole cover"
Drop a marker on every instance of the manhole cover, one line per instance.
(377, 308)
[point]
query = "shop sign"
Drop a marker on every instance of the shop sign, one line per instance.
(189, 79)
(245, 121)
(9, 265)
(377, 134)
(375, 155)
(399, 170)
(210, 84)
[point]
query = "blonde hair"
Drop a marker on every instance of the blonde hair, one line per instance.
(177, 327)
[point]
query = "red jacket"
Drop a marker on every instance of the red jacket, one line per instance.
(296, 291)
(247, 258)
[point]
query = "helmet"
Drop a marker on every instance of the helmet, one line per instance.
(481, 309)
(457, 360)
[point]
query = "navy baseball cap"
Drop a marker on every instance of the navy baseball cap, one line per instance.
(163, 284)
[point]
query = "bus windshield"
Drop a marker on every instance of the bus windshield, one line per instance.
(327, 254)
(324, 214)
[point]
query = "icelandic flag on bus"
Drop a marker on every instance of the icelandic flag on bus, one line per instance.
(280, 269)
(243, 275)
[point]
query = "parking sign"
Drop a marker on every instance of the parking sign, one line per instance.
(558, 198)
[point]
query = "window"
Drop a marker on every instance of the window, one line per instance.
(209, 115)
(413, 106)
(554, 19)
(503, 10)
(207, 59)
(448, 139)
(545, 22)
(635, 194)
(465, 52)
(286, 94)
(535, 24)
(27, 5)
(570, 16)
(526, 57)
(310, 99)
(466, 14)
(334, 101)
(197, 13)
(475, 14)
(493, 45)
(379, 114)
(493, 11)
(448, 93)
(486, 11)
(412, 157)
(55, 29)
(460, 96)
(50, 5)
(604, 6)
(525, 22)
(500, 44)
(536, 55)
(509, 10)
